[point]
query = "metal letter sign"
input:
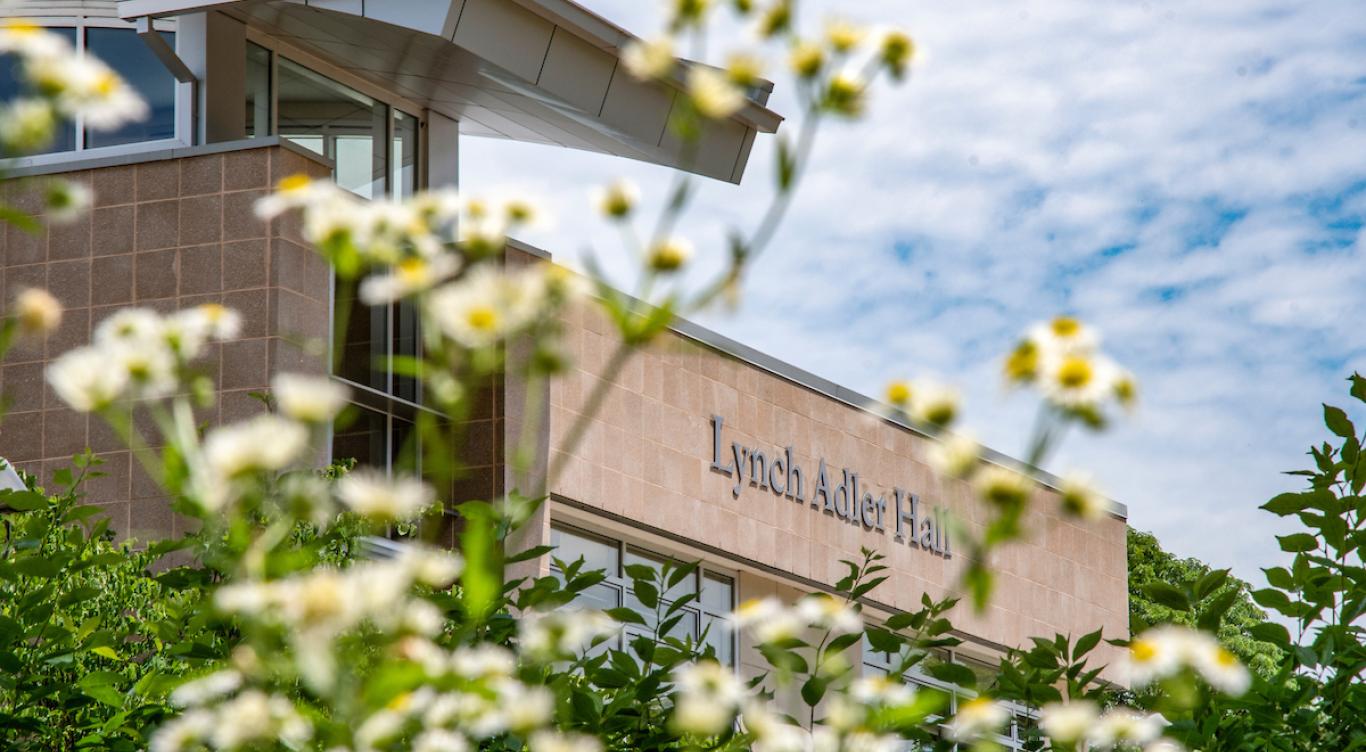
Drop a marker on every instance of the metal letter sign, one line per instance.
(842, 495)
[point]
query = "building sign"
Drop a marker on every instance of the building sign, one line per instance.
(843, 496)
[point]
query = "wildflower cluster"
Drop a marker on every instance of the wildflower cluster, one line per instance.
(1061, 358)
(1081, 725)
(927, 402)
(1172, 651)
(59, 85)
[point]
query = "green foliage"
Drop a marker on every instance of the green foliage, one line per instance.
(1163, 587)
(93, 632)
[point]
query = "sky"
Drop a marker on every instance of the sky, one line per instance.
(1188, 176)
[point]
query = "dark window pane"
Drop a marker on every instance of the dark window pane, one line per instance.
(364, 339)
(258, 91)
(407, 344)
(402, 445)
(364, 439)
(133, 60)
(12, 86)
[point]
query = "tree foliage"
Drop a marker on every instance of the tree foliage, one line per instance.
(1154, 572)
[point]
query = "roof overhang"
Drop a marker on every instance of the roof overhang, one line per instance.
(543, 71)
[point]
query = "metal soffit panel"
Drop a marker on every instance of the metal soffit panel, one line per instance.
(484, 63)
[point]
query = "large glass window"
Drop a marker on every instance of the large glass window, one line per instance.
(11, 87)
(336, 121)
(132, 59)
(704, 618)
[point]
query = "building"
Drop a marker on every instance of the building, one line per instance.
(705, 449)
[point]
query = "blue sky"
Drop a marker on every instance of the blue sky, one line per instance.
(1188, 176)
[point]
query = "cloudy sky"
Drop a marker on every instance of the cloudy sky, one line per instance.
(1189, 175)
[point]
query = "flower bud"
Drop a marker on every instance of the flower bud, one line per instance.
(669, 255)
(37, 312)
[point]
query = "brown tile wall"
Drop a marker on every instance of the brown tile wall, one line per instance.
(166, 235)
(647, 458)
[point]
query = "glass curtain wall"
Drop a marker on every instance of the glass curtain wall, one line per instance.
(374, 150)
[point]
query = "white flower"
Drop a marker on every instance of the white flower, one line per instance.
(1001, 486)
(1123, 727)
(1079, 498)
(486, 305)
(555, 741)
(483, 662)
(379, 727)
(37, 312)
(1222, 669)
(135, 325)
(87, 88)
(26, 124)
(1078, 381)
(439, 740)
(844, 36)
(934, 403)
(647, 59)
(32, 41)
(297, 191)
(976, 718)
(525, 708)
(66, 200)
(253, 717)
(669, 255)
(84, 380)
(863, 741)
(708, 696)
(881, 690)
(617, 200)
(1067, 723)
(151, 367)
(768, 620)
(551, 635)
(215, 321)
(956, 456)
(828, 612)
(370, 494)
(432, 567)
(1064, 335)
(1161, 652)
(1164, 745)
(310, 399)
(182, 732)
(203, 689)
(411, 275)
(266, 442)
(771, 733)
(712, 92)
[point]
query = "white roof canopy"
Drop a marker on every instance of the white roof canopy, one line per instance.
(542, 71)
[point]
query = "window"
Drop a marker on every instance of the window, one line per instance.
(134, 61)
(707, 613)
(258, 91)
(1022, 719)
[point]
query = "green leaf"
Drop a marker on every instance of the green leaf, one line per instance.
(1337, 422)
(1214, 612)
(625, 615)
(99, 685)
(1272, 599)
(1298, 542)
(107, 652)
(1085, 644)
(36, 567)
(813, 690)
(1280, 577)
(1210, 583)
(534, 552)
(646, 593)
(1358, 386)
(1167, 595)
(1288, 503)
(23, 501)
(954, 673)
(1271, 632)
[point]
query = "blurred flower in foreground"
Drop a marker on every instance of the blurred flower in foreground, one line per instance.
(977, 718)
(709, 694)
(37, 312)
(1166, 651)
(1068, 723)
(1079, 498)
(1061, 358)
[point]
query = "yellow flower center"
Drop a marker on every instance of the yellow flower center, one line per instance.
(1143, 651)
(1075, 373)
(295, 182)
(1225, 659)
(1066, 326)
(22, 28)
(106, 84)
(1023, 363)
(213, 311)
(482, 318)
(899, 393)
(412, 270)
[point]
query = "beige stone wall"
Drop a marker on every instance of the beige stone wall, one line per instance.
(164, 234)
(647, 458)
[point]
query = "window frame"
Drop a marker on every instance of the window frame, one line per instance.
(622, 583)
(183, 123)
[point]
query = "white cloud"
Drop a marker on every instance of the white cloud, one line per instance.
(1209, 145)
